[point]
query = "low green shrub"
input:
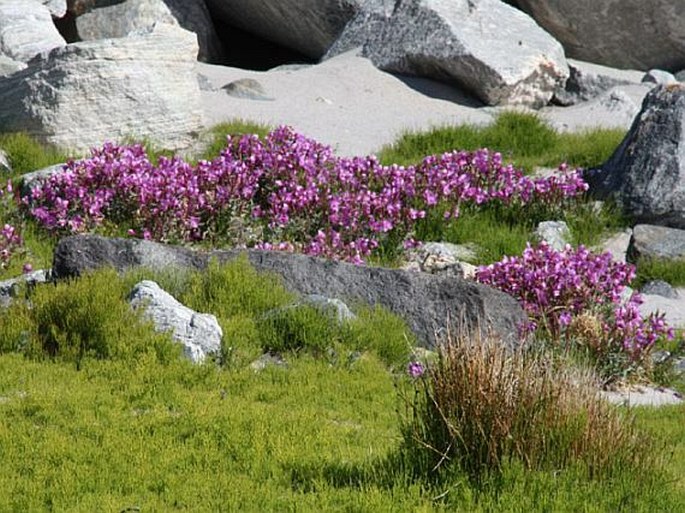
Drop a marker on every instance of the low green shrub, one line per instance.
(87, 317)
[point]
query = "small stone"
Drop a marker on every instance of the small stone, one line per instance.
(660, 288)
(658, 76)
(246, 88)
(268, 360)
(554, 233)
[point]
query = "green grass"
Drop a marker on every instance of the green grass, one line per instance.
(525, 140)
(669, 270)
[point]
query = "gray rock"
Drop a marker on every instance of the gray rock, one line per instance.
(660, 288)
(680, 76)
(629, 34)
(57, 8)
(646, 173)
(652, 241)
(443, 258)
(337, 308)
(199, 333)
(76, 97)
(428, 303)
(588, 81)
(106, 19)
(307, 26)
(247, 88)
(26, 29)
(660, 77)
(29, 180)
(484, 46)
(9, 288)
(555, 233)
(204, 83)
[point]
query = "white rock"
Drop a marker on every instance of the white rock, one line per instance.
(26, 29)
(78, 96)
(199, 333)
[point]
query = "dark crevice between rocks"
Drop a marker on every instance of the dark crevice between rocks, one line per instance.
(66, 26)
(245, 50)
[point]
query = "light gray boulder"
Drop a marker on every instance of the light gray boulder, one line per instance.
(627, 34)
(428, 303)
(484, 46)
(57, 8)
(555, 233)
(333, 306)
(443, 258)
(5, 165)
(29, 180)
(656, 242)
(646, 173)
(199, 333)
(26, 29)
(78, 96)
(660, 288)
(307, 26)
(107, 20)
(588, 81)
(660, 77)
(9, 288)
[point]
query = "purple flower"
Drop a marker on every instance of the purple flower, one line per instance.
(415, 369)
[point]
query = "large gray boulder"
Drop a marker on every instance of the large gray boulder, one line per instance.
(106, 20)
(486, 47)
(76, 97)
(588, 81)
(636, 34)
(646, 173)
(200, 334)
(26, 29)
(428, 303)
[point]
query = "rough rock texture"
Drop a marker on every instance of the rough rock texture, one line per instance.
(660, 288)
(9, 66)
(106, 20)
(635, 34)
(443, 258)
(427, 302)
(659, 76)
(26, 29)
(555, 233)
(9, 288)
(142, 86)
(57, 8)
(199, 333)
(487, 47)
(308, 26)
(646, 173)
(588, 81)
(656, 242)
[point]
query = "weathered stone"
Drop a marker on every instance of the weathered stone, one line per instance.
(268, 360)
(486, 47)
(443, 258)
(588, 81)
(57, 8)
(680, 75)
(107, 20)
(308, 26)
(29, 180)
(618, 33)
(9, 288)
(76, 97)
(247, 88)
(656, 242)
(9, 66)
(555, 233)
(660, 288)
(26, 29)
(646, 173)
(337, 308)
(199, 333)
(659, 76)
(428, 303)
(617, 244)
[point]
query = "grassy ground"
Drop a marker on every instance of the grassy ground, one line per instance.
(97, 412)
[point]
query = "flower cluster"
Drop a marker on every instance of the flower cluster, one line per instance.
(556, 287)
(10, 240)
(286, 191)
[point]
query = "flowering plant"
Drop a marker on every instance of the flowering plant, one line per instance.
(10, 240)
(284, 192)
(563, 292)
